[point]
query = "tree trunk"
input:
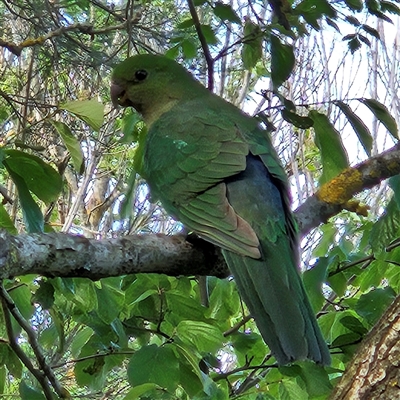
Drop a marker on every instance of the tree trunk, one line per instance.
(374, 372)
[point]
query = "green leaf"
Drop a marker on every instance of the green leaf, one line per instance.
(212, 390)
(354, 324)
(328, 140)
(352, 20)
(10, 360)
(290, 390)
(387, 6)
(39, 177)
(89, 111)
(153, 364)
(361, 130)
(381, 15)
(328, 233)
(372, 276)
(129, 127)
(59, 327)
(32, 215)
(201, 336)
(248, 346)
(338, 283)
(5, 221)
(21, 296)
(252, 44)
(333, 24)
(354, 44)
(29, 393)
(312, 11)
(44, 295)
(225, 12)
(313, 279)
(128, 202)
(394, 183)
(355, 5)
(209, 34)
(373, 304)
(282, 61)
(188, 379)
(382, 114)
(189, 48)
(372, 31)
(296, 119)
(110, 301)
(91, 371)
(3, 378)
(79, 340)
(346, 339)
(316, 379)
(364, 39)
(183, 307)
(72, 144)
(372, 5)
(386, 228)
(187, 23)
(138, 391)
(172, 52)
(224, 301)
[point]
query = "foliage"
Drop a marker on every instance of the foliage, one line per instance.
(68, 165)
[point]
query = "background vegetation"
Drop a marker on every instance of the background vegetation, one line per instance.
(323, 77)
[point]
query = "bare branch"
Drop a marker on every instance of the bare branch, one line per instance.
(62, 255)
(10, 307)
(85, 28)
(204, 45)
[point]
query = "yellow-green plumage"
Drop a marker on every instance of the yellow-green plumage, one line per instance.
(216, 171)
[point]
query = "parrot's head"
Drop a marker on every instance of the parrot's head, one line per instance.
(151, 84)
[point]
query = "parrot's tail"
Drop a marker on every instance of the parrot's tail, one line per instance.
(276, 298)
(271, 286)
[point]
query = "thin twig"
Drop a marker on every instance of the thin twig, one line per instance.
(236, 327)
(36, 347)
(204, 45)
(39, 375)
(84, 28)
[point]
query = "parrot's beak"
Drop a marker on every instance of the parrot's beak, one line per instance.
(117, 95)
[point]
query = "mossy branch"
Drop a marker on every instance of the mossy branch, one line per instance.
(336, 194)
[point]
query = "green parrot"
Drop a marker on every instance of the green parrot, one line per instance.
(215, 170)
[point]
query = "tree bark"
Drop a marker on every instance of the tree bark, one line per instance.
(63, 255)
(374, 372)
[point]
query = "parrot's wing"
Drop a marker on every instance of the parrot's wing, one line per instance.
(213, 218)
(203, 150)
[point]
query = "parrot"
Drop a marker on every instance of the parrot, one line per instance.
(214, 169)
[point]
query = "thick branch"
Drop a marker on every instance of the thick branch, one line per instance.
(62, 255)
(335, 194)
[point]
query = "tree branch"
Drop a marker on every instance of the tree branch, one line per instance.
(204, 45)
(63, 255)
(334, 195)
(46, 372)
(86, 28)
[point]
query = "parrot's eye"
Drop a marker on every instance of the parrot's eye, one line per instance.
(141, 75)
